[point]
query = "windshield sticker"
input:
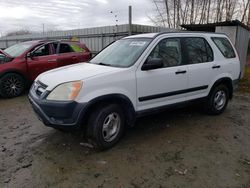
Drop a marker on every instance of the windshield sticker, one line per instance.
(137, 43)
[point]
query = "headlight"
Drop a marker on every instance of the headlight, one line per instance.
(65, 92)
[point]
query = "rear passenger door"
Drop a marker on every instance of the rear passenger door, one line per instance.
(166, 85)
(82, 53)
(66, 55)
(199, 58)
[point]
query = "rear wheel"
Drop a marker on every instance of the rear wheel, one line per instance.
(11, 85)
(106, 126)
(217, 100)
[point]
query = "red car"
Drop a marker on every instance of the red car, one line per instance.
(21, 63)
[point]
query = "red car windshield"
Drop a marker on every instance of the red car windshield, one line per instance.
(17, 49)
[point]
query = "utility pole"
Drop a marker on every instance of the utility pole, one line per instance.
(43, 28)
(130, 20)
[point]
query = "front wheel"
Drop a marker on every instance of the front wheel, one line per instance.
(217, 100)
(11, 85)
(106, 126)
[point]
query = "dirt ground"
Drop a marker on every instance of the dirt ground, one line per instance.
(177, 148)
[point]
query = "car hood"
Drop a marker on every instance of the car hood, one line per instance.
(74, 72)
(4, 53)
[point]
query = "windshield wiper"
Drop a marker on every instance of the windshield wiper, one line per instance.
(105, 64)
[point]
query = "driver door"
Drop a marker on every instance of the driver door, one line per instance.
(41, 59)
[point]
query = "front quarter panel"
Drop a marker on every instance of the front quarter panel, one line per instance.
(17, 65)
(120, 82)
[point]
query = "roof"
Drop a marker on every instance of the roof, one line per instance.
(154, 35)
(49, 40)
(211, 26)
(146, 35)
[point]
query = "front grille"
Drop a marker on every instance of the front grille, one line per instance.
(39, 88)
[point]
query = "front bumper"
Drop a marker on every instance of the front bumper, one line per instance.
(56, 113)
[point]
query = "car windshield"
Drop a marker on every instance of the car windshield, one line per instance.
(17, 49)
(122, 53)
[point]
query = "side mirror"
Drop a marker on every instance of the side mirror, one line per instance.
(30, 55)
(152, 63)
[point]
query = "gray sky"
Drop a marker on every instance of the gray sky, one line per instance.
(71, 14)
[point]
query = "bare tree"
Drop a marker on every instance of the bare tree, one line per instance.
(173, 13)
(192, 12)
(208, 10)
(245, 10)
(248, 19)
(168, 15)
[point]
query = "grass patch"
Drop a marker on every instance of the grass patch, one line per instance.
(244, 85)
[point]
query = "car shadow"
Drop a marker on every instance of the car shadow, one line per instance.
(150, 125)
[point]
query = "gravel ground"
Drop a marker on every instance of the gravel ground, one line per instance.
(178, 148)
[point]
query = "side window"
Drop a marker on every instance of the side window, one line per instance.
(169, 50)
(197, 50)
(224, 46)
(76, 47)
(65, 48)
(41, 51)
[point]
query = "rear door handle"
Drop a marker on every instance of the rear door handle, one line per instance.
(181, 72)
(216, 67)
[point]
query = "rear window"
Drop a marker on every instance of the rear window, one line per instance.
(224, 46)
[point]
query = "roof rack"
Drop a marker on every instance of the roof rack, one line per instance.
(181, 31)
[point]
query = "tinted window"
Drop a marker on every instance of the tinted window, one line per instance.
(41, 51)
(197, 50)
(65, 48)
(224, 46)
(169, 50)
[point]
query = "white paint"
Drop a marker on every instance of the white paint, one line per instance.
(134, 83)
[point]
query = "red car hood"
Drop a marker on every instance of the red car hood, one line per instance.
(2, 52)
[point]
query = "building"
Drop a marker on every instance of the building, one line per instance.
(95, 38)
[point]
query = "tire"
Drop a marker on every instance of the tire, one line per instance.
(106, 126)
(11, 85)
(217, 100)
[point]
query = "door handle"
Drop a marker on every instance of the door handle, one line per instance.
(52, 60)
(74, 57)
(181, 72)
(216, 67)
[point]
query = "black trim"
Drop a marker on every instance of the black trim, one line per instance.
(151, 97)
(58, 114)
(169, 106)
(72, 115)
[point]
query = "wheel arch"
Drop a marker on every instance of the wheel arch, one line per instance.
(120, 99)
(227, 81)
(13, 71)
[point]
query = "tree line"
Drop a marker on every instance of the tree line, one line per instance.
(173, 13)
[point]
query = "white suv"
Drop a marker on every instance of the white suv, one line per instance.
(134, 76)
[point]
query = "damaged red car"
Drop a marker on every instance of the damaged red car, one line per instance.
(21, 63)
